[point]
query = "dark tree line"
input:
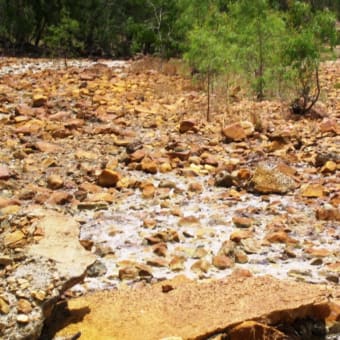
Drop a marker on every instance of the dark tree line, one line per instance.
(109, 27)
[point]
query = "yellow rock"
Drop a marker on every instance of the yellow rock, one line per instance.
(4, 307)
(330, 166)
(10, 210)
(165, 167)
(13, 238)
(312, 190)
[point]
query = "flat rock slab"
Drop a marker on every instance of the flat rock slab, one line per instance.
(192, 310)
(61, 244)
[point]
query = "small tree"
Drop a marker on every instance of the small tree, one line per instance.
(62, 38)
(259, 32)
(308, 34)
(209, 49)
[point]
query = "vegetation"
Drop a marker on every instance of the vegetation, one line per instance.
(271, 43)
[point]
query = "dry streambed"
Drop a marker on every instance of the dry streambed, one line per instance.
(108, 154)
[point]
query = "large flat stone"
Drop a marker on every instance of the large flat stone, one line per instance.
(194, 310)
(61, 244)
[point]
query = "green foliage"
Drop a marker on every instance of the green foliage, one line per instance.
(62, 38)
(308, 32)
(260, 31)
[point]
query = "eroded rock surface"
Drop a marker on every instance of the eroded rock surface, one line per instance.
(36, 276)
(189, 310)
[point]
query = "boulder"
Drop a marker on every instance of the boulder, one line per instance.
(270, 178)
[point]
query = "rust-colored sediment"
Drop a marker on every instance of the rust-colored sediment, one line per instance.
(194, 310)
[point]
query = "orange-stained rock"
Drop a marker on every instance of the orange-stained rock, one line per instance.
(187, 125)
(328, 214)
(238, 235)
(280, 237)
(138, 155)
(242, 222)
(5, 202)
(55, 182)
(222, 262)
(194, 310)
(149, 166)
(148, 190)
(330, 125)
(234, 132)
(108, 178)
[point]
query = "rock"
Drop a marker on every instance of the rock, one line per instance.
(144, 271)
(194, 308)
(4, 306)
(39, 295)
(157, 262)
(251, 245)
(48, 147)
(5, 260)
(24, 306)
(225, 179)
(101, 197)
(55, 182)
(12, 240)
(60, 198)
(92, 206)
(195, 187)
(222, 262)
(238, 235)
(240, 256)
(5, 173)
(199, 253)
(329, 167)
(242, 222)
(138, 155)
(177, 263)
(234, 132)
(6, 202)
(187, 125)
(149, 223)
(148, 190)
(328, 214)
(200, 266)
(149, 166)
(280, 237)
(317, 252)
(239, 273)
(10, 210)
(96, 269)
(24, 110)
(39, 100)
(189, 221)
(312, 190)
(268, 178)
(323, 157)
(160, 249)
(165, 167)
(227, 248)
(108, 178)
(255, 330)
(61, 244)
(330, 125)
(22, 318)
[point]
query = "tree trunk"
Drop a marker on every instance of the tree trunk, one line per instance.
(208, 106)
